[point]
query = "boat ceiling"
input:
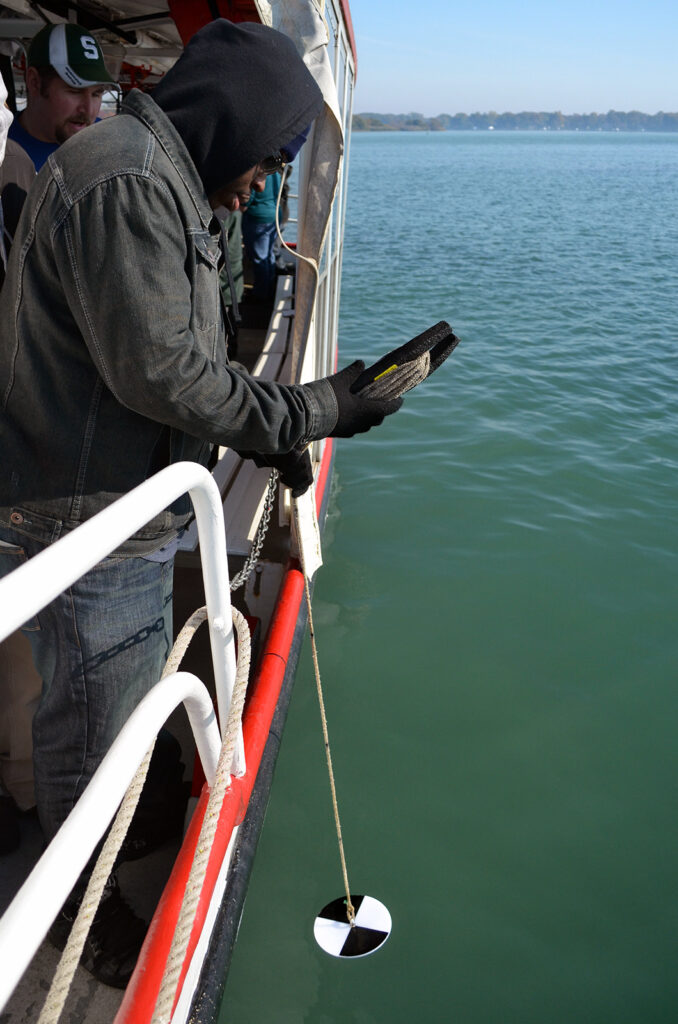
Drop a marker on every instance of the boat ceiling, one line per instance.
(137, 31)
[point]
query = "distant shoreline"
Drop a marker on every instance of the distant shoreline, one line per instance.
(612, 121)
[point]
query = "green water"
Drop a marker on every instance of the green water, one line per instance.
(496, 617)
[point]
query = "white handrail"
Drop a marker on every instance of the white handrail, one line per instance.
(28, 589)
(30, 914)
(23, 593)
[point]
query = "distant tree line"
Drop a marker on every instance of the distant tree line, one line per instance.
(614, 120)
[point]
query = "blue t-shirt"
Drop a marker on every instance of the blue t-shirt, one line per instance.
(38, 151)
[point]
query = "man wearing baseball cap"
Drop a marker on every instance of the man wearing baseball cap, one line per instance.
(65, 80)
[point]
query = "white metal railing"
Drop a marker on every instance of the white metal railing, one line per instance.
(28, 589)
(23, 593)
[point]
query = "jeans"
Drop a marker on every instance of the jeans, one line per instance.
(99, 648)
(259, 238)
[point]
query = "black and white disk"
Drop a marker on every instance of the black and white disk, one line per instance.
(334, 934)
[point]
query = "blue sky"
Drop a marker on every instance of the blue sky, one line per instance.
(438, 57)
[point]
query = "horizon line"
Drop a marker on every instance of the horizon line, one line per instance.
(512, 113)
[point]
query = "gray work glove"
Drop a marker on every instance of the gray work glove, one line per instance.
(357, 413)
(294, 468)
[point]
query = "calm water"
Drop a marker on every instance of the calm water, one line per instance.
(497, 613)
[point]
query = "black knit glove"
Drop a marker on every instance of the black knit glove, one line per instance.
(294, 468)
(357, 412)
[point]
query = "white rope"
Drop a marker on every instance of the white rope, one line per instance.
(182, 933)
(313, 264)
(63, 976)
(66, 968)
(350, 909)
(307, 573)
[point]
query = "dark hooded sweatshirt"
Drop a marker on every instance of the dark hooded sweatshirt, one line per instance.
(112, 344)
(237, 94)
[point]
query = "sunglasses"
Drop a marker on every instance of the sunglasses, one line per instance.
(273, 164)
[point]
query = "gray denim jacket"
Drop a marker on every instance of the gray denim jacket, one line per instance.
(112, 344)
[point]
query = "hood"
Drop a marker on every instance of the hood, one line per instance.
(237, 94)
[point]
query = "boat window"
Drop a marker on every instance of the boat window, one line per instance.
(332, 26)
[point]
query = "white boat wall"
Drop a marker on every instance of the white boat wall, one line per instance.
(295, 340)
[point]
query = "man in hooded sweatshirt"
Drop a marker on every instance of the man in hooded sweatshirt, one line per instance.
(113, 365)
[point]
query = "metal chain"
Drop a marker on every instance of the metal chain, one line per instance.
(260, 535)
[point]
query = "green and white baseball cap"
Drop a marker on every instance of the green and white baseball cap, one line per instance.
(74, 54)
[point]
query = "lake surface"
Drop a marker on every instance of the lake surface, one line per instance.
(496, 617)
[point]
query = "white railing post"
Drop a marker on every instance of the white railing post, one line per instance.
(209, 515)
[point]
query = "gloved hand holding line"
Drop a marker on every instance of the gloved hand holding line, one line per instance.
(356, 412)
(365, 397)
(296, 471)
(410, 364)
